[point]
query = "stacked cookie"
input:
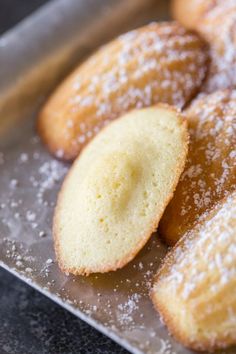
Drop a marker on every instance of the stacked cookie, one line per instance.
(156, 63)
(215, 21)
(168, 159)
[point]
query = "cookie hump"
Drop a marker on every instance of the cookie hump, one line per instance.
(158, 63)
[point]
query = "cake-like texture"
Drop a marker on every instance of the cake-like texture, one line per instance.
(215, 21)
(194, 290)
(161, 62)
(117, 189)
(210, 171)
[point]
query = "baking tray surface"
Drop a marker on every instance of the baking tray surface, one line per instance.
(116, 303)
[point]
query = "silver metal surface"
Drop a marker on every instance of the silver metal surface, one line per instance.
(33, 57)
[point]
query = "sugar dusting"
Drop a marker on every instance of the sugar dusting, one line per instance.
(206, 258)
(215, 133)
(26, 202)
(219, 28)
(26, 209)
(126, 310)
(210, 172)
(141, 68)
(199, 277)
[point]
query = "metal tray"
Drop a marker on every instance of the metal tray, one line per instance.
(34, 56)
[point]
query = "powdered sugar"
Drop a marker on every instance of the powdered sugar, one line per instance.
(198, 280)
(219, 28)
(117, 300)
(126, 310)
(209, 248)
(210, 171)
(139, 69)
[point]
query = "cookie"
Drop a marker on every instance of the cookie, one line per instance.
(210, 171)
(215, 21)
(161, 62)
(190, 12)
(117, 189)
(218, 28)
(194, 290)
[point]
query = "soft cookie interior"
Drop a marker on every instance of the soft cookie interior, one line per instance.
(116, 191)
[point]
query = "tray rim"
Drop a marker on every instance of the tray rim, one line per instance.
(76, 312)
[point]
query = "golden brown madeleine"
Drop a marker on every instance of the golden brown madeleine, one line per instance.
(190, 12)
(194, 290)
(161, 62)
(218, 27)
(215, 20)
(117, 189)
(210, 171)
